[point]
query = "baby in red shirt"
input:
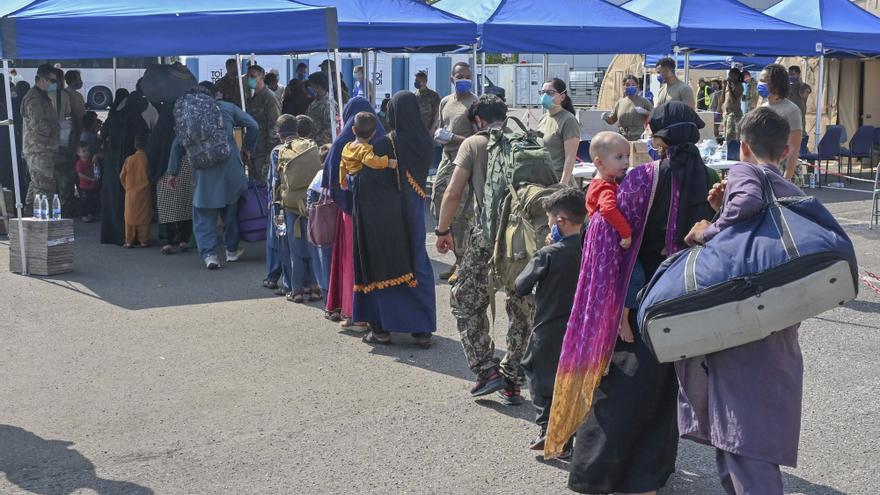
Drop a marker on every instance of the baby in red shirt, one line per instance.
(610, 153)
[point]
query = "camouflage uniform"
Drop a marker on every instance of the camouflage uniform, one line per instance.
(464, 217)
(429, 107)
(470, 298)
(321, 111)
(65, 162)
(228, 87)
(40, 140)
(264, 108)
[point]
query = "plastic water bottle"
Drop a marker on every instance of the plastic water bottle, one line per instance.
(280, 226)
(56, 208)
(724, 151)
(38, 202)
(96, 171)
(44, 208)
(813, 180)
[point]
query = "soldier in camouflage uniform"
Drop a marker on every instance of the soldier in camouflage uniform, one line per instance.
(322, 110)
(471, 294)
(263, 106)
(40, 136)
(429, 102)
(228, 84)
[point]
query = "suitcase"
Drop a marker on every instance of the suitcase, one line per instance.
(253, 212)
(791, 262)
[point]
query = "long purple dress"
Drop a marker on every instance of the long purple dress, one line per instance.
(746, 400)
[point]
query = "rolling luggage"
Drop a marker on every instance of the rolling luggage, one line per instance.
(790, 262)
(253, 212)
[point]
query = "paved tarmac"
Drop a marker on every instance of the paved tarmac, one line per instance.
(140, 373)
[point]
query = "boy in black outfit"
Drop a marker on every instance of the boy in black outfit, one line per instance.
(555, 270)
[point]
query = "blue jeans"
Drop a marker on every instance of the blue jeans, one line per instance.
(273, 259)
(321, 266)
(205, 228)
(301, 252)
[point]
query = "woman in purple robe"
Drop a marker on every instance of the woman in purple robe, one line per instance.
(746, 401)
(629, 440)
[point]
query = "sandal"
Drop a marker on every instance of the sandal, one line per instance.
(296, 296)
(372, 338)
(126, 246)
(333, 316)
(315, 295)
(349, 324)
(167, 249)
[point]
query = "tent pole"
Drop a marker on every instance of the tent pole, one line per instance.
(330, 85)
(240, 81)
(820, 97)
(365, 65)
(338, 77)
(646, 87)
(115, 80)
(687, 67)
(546, 67)
(474, 67)
(483, 72)
(13, 152)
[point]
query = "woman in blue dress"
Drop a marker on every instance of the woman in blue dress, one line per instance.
(389, 237)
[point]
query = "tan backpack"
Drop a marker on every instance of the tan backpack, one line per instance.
(298, 162)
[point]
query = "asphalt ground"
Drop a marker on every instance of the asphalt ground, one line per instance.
(140, 373)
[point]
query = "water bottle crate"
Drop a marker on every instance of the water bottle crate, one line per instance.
(49, 246)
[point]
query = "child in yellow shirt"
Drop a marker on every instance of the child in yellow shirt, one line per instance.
(359, 152)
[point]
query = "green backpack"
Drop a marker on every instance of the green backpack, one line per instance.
(512, 216)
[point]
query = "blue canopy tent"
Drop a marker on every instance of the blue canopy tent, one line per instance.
(397, 25)
(61, 29)
(65, 29)
(846, 29)
(570, 26)
(715, 62)
(727, 27)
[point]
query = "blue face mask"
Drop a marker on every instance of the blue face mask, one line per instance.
(463, 86)
(793, 79)
(630, 90)
(555, 234)
(53, 87)
(660, 79)
(311, 92)
(763, 90)
(417, 85)
(301, 77)
(547, 101)
(252, 83)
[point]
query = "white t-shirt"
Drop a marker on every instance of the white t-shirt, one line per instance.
(316, 182)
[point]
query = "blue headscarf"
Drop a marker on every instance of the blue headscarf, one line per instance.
(343, 199)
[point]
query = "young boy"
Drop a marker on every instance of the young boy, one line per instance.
(305, 127)
(555, 270)
(359, 152)
(88, 182)
(138, 205)
(610, 152)
(753, 419)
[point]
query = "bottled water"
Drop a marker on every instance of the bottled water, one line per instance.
(280, 226)
(44, 208)
(96, 171)
(56, 208)
(813, 180)
(724, 151)
(38, 201)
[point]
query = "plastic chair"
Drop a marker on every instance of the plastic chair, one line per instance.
(829, 149)
(583, 152)
(861, 146)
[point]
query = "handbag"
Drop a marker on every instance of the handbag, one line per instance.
(253, 212)
(322, 221)
(790, 262)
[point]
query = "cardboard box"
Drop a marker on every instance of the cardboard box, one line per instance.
(49, 245)
(638, 153)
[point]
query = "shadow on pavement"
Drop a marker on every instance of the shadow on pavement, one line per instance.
(142, 278)
(444, 356)
(51, 467)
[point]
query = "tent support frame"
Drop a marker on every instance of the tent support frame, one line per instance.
(13, 152)
(820, 95)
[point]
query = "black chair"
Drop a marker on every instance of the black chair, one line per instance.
(861, 146)
(829, 149)
(805, 141)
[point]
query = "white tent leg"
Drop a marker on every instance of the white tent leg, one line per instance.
(546, 67)
(14, 160)
(483, 72)
(373, 78)
(646, 86)
(115, 78)
(687, 67)
(338, 77)
(820, 99)
(240, 81)
(330, 95)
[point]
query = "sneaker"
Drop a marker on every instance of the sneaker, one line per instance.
(211, 262)
(233, 257)
(510, 395)
(489, 381)
(539, 441)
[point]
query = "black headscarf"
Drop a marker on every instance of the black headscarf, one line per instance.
(678, 125)
(415, 147)
(159, 147)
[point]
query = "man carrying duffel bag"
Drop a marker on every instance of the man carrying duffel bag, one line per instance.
(746, 400)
